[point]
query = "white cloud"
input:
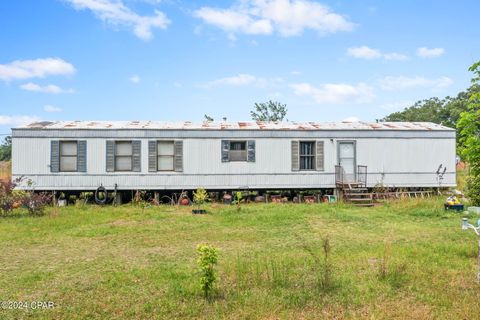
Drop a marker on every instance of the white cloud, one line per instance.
(39, 68)
(51, 88)
(335, 93)
(116, 13)
(135, 79)
(243, 80)
(49, 108)
(365, 52)
(286, 17)
(17, 120)
(402, 82)
(430, 53)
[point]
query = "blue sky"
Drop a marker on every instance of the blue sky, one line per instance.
(178, 60)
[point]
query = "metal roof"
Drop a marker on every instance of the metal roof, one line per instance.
(241, 125)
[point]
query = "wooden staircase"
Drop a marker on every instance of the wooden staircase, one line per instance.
(357, 195)
(354, 192)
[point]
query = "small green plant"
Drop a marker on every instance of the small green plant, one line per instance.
(207, 259)
(200, 196)
(237, 199)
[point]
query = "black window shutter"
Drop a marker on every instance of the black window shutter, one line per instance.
(152, 155)
(251, 150)
(178, 151)
(136, 155)
(54, 156)
(225, 150)
(82, 156)
(295, 156)
(110, 156)
(320, 156)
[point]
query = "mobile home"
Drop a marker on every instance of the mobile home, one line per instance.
(151, 155)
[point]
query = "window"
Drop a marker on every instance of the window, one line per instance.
(238, 151)
(123, 156)
(307, 155)
(68, 156)
(165, 156)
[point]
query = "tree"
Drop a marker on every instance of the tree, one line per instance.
(445, 111)
(469, 136)
(208, 118)
(442, 111)
(269, 111)
(6, 149)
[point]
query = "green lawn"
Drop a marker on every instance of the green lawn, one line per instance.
(116, 263)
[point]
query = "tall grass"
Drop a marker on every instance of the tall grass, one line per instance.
(5, 170)
(406, 259)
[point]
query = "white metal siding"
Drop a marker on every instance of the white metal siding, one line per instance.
(401, 162)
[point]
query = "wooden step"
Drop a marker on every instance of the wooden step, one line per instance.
(358, 199)
(358, 194)
(355, 189)
(349, 185)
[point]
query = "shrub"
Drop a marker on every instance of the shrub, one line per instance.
(469, 139)
(473, 188)
(207, 259)
(36, 203)
(237, 199)
(200, 196)
(9, 198)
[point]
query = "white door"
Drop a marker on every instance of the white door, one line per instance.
(346, 159)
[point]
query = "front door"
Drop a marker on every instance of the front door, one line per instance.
(346, 159)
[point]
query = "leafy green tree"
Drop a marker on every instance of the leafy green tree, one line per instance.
(469, 136)
(269, 111)
(6, 149)
(445, 111)
(424, 110)
(442, 111)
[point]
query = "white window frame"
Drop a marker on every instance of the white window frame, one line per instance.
(62, 156)
(172, 156)
(116, 156)
(313, 155)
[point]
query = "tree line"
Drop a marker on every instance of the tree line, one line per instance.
(6, 149)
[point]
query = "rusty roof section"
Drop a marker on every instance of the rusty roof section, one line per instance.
(242, 125)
